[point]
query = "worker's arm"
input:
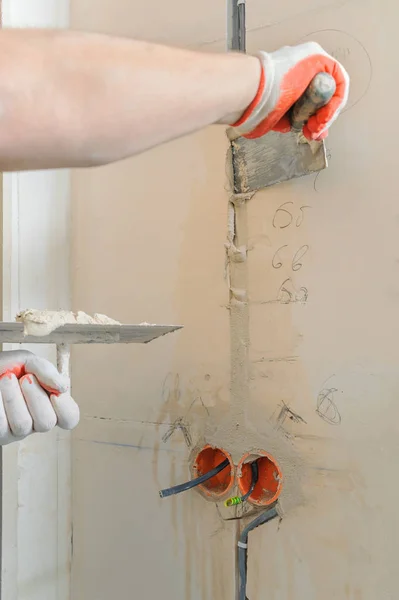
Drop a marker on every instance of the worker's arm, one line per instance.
(79, 99)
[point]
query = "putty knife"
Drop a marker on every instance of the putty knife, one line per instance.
(278, 157)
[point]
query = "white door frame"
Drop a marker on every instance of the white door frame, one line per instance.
(35, 483)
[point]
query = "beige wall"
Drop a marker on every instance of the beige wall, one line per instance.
(148, 244)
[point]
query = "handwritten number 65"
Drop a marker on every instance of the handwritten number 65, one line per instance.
(283, 216)
(300, 217)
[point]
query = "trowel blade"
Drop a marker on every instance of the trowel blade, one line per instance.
(274, 158)
(13, 333)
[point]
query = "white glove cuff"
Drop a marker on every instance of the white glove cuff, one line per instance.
(260, 110)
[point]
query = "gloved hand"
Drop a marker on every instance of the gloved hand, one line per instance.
(285, 76)
(34, 397)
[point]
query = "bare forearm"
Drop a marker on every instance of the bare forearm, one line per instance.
(74, 99)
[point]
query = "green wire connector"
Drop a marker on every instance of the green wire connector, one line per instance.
(233, 501)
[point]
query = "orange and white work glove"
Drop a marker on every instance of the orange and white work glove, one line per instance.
(285, 76)
(34, 397)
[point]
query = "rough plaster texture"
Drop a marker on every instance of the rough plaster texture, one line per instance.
(301, 353)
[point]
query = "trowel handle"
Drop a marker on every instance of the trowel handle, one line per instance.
(320, 91)
(63, 359)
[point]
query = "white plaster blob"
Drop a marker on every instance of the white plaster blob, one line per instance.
(43, 322)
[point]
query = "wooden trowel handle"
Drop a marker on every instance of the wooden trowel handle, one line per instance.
(320, 91)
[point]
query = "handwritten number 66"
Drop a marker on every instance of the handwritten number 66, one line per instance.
(283, 216)
(277, 261)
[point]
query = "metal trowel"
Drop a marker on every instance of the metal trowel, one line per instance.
(277, 157)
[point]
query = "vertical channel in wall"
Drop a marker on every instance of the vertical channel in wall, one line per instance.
(236, 249)
(237, 274)
(231, 24)
(237, 268)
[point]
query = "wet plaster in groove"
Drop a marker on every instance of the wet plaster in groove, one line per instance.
(238, 436)
(234, 432)
(239, 313)
(236, 258)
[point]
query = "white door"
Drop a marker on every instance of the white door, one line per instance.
(35, 525)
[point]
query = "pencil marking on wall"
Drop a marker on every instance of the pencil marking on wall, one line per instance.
(326, 407)
(171, 388)
(288, 215)
(285, 215)
(244, 510)
(282, 217)
(299, 254)
(123, 445)
(289, 359)
(179, 424)
(288, 293)
(287, 413)
(300, 14)
(200, 400)
(300, 217)
(278, 260)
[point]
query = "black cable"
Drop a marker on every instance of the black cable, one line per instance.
(264, 517)
(182, 487)
(235, 500)
(255, 476)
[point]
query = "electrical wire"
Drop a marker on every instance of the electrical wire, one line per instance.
(240, 499)
(263, 518)
(182, 487)
(255, 476)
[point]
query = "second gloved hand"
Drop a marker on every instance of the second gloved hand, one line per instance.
(285, 76)
(34, 397)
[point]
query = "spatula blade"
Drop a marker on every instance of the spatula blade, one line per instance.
(274, 158)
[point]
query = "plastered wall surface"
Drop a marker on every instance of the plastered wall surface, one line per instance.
(149, 245)
(312, 375)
